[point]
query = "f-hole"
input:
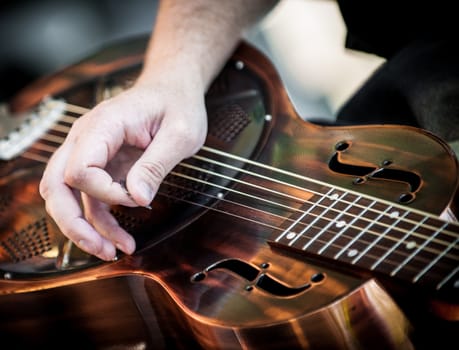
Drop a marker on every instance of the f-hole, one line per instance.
(384, 171)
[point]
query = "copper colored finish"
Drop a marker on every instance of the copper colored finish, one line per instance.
(216, 267)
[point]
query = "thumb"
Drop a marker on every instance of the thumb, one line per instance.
(165, 151)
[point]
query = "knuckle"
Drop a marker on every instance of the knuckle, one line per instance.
(74, 178)
(43, 189)
(190, 139)
(102, 107)
(154, 172)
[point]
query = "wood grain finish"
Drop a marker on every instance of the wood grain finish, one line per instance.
(249, 244)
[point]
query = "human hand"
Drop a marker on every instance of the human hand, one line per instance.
(138, 135)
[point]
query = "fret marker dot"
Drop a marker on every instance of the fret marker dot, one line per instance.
(411, 245)
(352, 252)
(291, 235)
(341, 223)
(394, 214)
(334, 196)
(456, 284)
(220, 195)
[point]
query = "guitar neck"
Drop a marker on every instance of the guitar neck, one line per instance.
(377, 237)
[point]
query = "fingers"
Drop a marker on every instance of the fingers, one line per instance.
(64, 206)
(98, 215)
(172, 143)
(77, 168)
(111, 143)
(94, 142)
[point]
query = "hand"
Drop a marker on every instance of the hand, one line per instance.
(139, 135)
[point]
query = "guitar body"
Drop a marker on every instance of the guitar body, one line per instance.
(212, 270)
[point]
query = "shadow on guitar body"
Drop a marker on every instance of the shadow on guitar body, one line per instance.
(278, 234)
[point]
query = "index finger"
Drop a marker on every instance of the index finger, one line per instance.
(86, 171)
(64, 207)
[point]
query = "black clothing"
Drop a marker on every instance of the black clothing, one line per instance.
(383, 27)
(419, 83)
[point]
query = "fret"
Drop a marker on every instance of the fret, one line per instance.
(314, 229)
(333, 219)
(452, 276)
(307, 225)
(375, 239)
(433, 254)
(289, 233)
(415, 252)
(450, 257)
(376, 236)
(379, 234)
(384, 238)
(347, 228)
(438, 258)
(350, 224)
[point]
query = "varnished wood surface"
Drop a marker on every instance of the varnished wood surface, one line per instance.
(155, 299)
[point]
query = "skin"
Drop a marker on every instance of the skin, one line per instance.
(142, 133)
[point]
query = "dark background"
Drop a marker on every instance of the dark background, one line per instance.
(40, 37)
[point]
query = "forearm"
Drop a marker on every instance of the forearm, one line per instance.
(199, 35)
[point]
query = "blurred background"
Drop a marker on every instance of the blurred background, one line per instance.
(303, 38)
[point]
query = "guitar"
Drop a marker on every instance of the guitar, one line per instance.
(278, 234)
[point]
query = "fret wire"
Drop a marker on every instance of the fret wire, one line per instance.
(447, 278)
(302, 216)
(419, 248)
(81, 110)
(317, 219)
(394, 272)
(393, 247)
(343, 201)
(378, 238)
(68, 118)
(227, 212)
(77, 109)
(338, 234)
(337, 255)
(315, 181)
(229, 202)
(235, 215)
(298, 221)
(434, 261)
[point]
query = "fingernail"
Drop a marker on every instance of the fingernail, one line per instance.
(146, 192)
(119, 247)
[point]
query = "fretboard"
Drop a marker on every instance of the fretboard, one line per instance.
(378, 237)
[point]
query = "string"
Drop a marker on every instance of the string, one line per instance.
(77, 109)
(245, 218)
(81, 110)
(273, 227)
(285, 218)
